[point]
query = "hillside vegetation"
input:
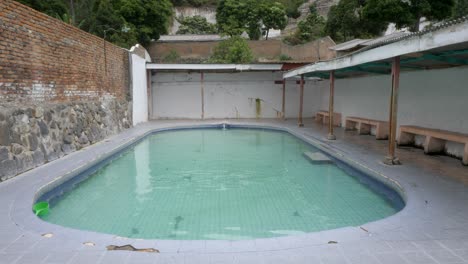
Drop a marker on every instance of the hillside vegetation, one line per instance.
(290, 5)
(127, 22)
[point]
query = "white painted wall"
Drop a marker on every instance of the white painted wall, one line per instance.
(435, 99)
(229, 95)
(139, 88)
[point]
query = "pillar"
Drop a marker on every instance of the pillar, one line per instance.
(202, 91)
(301, 103)
(283, 106)
(391, 159)
(331, 123)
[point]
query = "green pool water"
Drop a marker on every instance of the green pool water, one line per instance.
(218, 184)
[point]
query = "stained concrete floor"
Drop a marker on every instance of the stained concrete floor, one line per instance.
(432, 228)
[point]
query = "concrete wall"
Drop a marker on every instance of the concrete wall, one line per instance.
(263, 50)
(434, 99)
(139, 84)
(229, 95)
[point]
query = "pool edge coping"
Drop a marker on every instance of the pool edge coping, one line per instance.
(322, 145)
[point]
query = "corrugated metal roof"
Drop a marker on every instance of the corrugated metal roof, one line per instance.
(386, 37)
(450, 37)
(359, 43)
(427, 30)
(352, 44)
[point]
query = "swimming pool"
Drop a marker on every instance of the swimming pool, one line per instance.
(220, 184)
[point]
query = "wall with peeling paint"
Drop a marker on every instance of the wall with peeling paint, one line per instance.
(434, 99)
(230, 95)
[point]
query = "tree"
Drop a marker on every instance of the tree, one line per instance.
(232, 50)
(461, 8)
(237, 16)
(312, 27)
(292, 7)
(51, 7)
(123, 22)
(150, 18)
(195, 25)
(232, 16)
(195, 3)
(407, 13)
(346, 21)
(273, 16)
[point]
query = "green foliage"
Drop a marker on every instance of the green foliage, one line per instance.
(233, 16)
(309, 29)
(196, 25)
(312, 27)
(346, 21)
(407, 13)
(52, 7)
(367, 18)
(150, 18)
(123, 22)
(236, 16)
(284, 57)
(460, 9)
(292, 7)
(232, 50)
(172, 57)
(194, 3)
(273, 16)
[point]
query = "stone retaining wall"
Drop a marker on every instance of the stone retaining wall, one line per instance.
(33, 135)
(61, 89)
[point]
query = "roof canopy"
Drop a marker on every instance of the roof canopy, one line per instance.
(443, 46)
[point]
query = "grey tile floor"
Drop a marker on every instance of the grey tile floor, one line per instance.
(432, 228)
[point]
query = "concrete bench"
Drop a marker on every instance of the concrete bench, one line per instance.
(435, 139)
(364, 126)
(322, 117)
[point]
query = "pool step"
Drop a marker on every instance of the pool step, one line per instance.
(317, 157)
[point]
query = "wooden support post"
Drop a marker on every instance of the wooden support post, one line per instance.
(283, 107)
(301, 103)
(391, 159)
(331, 123)
(202, 76)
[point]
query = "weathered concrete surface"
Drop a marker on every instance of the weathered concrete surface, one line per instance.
(263, 50)
(33, 135)
(432, 228)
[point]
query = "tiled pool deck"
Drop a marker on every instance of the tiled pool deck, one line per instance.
(433, 227)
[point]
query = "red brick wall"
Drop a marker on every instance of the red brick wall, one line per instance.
(44, 59)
